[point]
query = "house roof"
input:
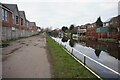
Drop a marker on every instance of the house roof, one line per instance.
(108, 20)
(32, 24)
(113, 18)
(12, 7)
(3, 6)
(22, 13)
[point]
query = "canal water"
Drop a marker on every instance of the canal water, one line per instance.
(105, 56)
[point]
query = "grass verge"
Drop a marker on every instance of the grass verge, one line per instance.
(63, 65)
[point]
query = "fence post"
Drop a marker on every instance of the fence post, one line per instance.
(72, 51)
(65, 46)
(84, 60)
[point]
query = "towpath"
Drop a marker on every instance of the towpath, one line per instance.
(26, 58)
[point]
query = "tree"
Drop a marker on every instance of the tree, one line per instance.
(99, 23)
(71, 27)
(71, 30)
(64, 39)
(72, 42)
(48, 29)
(65, 29)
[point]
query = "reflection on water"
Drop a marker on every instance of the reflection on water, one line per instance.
(97, 52)
(71, 41)
(105, 53)
(64, 39)
(111, 48)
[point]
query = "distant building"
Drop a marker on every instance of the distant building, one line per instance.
(91, 31)
(110, 29)
(38, 29)
(22, 18)
(61, 33)
(81, 30)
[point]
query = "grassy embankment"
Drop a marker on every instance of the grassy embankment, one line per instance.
(63, 65)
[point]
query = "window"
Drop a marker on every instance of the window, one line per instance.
(17, 21)
(4, 15)
(21, 21)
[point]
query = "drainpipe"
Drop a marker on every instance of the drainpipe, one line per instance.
(107, 34)
(118, 34)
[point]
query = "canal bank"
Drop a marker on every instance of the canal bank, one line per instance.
(103, 64)
(63, 65)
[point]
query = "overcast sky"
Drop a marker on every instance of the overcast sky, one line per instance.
(58, 13)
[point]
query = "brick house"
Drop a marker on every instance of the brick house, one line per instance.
(23, 22)
(81, 30)
(22, 18)
(6, 22)
(26, 28)
(33, 27)
(13, 23)
(110, 29)
(91, 31)
(115, 26)
(61, 33)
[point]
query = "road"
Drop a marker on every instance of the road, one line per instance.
(27, 58)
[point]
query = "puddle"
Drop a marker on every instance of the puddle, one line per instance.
(35, 44)
(43, 47)
(13, 50)
(27, 44)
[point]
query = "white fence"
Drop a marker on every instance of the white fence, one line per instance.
(104, 71)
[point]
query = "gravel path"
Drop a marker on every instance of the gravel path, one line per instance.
(26, 58)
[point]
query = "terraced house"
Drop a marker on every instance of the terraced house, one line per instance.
(109, 30)
(14, 23)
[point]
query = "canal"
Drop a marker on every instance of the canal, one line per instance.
(103, 58)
